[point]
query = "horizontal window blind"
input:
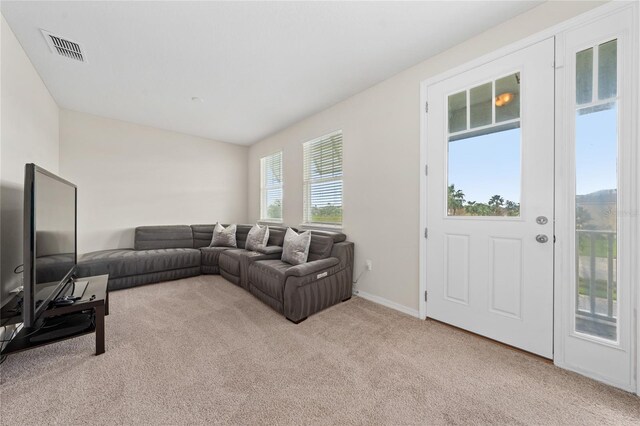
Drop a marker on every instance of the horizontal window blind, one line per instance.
(271, 187)
(323, 180)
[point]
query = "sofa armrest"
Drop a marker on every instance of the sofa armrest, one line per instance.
(265, 253)
(344, 251)
(310, 268)
(270, 250)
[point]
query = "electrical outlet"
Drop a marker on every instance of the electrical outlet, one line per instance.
(369, 264)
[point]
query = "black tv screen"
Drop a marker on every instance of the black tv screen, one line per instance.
(50, 238)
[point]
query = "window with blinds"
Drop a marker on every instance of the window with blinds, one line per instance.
(271, 188)
(323, 180)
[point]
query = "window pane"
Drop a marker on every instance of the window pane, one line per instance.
(273, 173)
(271, 189)
(323, 180)
(326, 202)
(484, 173)
(325, 159)
(458, 112)
(508, 98)
(584, 76)
(607, 70)
(481, 109)
(273, 203)
(596, 221)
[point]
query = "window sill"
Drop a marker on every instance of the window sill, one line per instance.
(320, 227)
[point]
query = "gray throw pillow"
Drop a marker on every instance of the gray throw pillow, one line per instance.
(224, 237)
(257, 237)
(296, 247)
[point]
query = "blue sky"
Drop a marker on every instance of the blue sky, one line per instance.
(596, 151)
(490, 164)
(486, 165)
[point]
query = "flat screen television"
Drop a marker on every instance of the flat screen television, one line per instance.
(50, 243)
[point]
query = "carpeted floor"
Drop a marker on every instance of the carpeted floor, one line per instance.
(203, 351)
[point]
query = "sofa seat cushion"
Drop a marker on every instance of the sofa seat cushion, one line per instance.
(231, 261)
(268, 276)
(126, 262)
(211, 255)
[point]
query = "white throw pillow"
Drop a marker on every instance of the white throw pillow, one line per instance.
(295, 249)
(257, 238)
(224, 237)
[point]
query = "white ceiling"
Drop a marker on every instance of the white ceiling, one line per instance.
(259, 66)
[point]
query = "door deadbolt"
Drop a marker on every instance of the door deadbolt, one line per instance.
(542, 220)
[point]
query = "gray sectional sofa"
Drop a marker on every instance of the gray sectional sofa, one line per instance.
(163, 253)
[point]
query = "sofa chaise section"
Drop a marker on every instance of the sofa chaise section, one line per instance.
(161, 253)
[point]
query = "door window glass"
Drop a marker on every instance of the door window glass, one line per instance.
(484, 162)
(596, 204)
(458, 112)
(481, 105)
(584, 76)
(508, 98)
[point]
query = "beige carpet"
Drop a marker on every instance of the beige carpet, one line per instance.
(203, 351)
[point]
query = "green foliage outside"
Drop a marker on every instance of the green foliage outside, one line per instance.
(601, 246)
(583, 217)
(274, 211)
(495, 206)
(326, 214)
(600, 288)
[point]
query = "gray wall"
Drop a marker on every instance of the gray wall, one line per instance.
(130, 175)
(381, 133)
(29, 134)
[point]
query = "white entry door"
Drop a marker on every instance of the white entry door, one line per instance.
(490, 195)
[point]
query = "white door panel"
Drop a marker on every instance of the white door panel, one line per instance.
(493, 127)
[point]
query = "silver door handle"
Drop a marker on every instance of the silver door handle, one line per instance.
(541, 238)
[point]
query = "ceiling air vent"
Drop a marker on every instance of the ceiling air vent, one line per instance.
(64, 47)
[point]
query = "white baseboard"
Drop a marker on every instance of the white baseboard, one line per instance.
(388, 303)
(624, 386)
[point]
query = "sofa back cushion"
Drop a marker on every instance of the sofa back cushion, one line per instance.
(337, 237)
(276, 235)
(203, 234)
(163, 237)
(241, 235)
(320, 247)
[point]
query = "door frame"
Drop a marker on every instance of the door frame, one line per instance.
(634, 196)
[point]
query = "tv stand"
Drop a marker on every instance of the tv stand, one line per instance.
(59, 323)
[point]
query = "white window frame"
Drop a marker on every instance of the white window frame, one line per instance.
(264, 189)
(307, 182)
